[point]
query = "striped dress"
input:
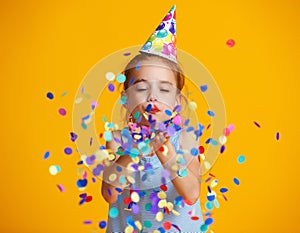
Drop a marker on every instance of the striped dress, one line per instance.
(148, 184)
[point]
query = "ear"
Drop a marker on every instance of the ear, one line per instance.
(178, 99)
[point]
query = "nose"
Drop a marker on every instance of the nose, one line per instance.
(152, 98)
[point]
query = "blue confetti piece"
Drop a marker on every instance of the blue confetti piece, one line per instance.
(194, 151)
(208, 141)
(148, 108)
(118, 189)
(209, 221)
(131, 81)
(82, 201)
(222, 149)
(50, 95)
(189, 129)
(223, 190)
(82, 183)
(168, 112)
(109, 192)
(138, 65)
(102, 224)
(203, 88)
(236, 181)
(210, 113)
(187, 121)
(46, 155)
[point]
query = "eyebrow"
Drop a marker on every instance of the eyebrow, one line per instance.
(144, 80)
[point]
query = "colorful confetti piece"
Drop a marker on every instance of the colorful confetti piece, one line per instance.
(62, 111)
(203, 88)
(258, 125)
(241, 159)
(46, 155)
(50, 96)
(230, 43)
(110, 76)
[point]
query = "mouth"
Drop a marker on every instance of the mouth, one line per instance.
(154, 109)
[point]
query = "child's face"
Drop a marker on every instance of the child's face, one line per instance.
(154, 83)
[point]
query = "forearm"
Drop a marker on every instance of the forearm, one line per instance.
(108, 189)
(183, 179)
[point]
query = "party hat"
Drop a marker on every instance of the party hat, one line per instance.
(162, 42)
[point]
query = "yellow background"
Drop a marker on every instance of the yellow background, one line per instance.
(50, 46)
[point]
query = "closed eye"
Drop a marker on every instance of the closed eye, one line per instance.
(164, 90)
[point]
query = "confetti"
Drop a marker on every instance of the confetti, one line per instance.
(167, 225)
(61, 188)
(62, 111)
(87, 222)
(231, 127)
(210, 113)
(258, 125)
(168, 112)
(110, 76)
(148, 108)
(50, 95)
(46, 155)
(192, 105)
(138, 65)
(194, 151)
(73, 136)
(102, 224)
(203, 227)
(177, 108)
(222, 139)
(277, 136)
(54, 169)
(113, 212)
(147, 223)
(159, 216)
(222, 149)
(177, 120)
(135, 208)
(241, 159)
(223, 190)
(182, 172)
(121, 78)
(236, 181)
(68, 150)
(81, 183)
(111, 87)
(209, 205)
(127, 54)
(131, 81)
(108, 136)
(203, 88)
(230, 43)
(135, 197)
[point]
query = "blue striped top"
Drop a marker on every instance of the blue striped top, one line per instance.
(148, 185)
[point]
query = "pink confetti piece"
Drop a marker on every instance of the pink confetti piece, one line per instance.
(230, 43)
(62, 111)
(61, 188)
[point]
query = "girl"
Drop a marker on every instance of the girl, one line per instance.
(153, 184)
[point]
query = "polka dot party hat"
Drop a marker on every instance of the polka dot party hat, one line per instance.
(162, 42)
